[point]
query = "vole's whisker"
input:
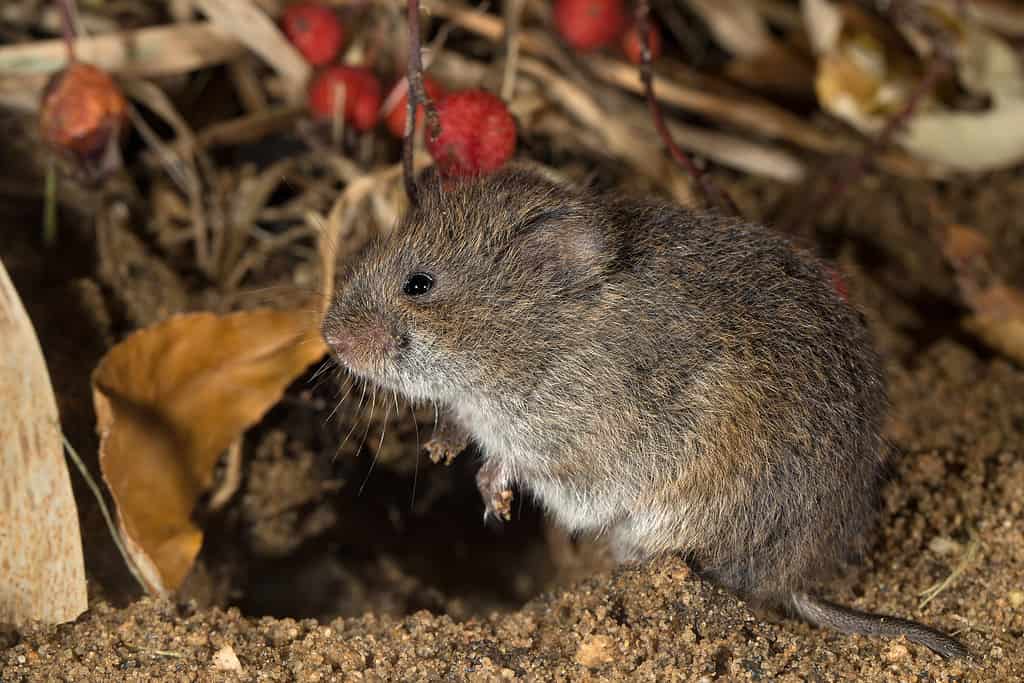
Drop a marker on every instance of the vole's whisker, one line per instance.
(380, 445)
(416, 466)
(347, 388)
(338, 404)
(339, 377)
(325, 365)
(319, 383)
(369, 422)
(355, 421)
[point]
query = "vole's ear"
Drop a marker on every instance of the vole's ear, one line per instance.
(564, 242)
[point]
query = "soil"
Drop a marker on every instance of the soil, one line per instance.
(366, 562)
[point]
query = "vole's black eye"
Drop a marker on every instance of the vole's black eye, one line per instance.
(418, 284)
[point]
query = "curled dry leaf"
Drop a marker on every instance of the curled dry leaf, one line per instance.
(40, 542)
(169, 399)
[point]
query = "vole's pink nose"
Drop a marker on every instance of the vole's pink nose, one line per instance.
(357, 345)
(339, 339)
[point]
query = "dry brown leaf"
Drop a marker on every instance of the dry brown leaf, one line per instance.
(997, 309)
(999, 320)
(40, 541)
(169, 399)
(963, 246)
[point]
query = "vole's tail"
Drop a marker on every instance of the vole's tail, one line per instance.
(847, 620)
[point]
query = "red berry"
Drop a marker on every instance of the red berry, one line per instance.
(362, 95)
(477, 134)
(314, 30)
(396, 117)
(82, 110)
(633, 48)
(589, 24)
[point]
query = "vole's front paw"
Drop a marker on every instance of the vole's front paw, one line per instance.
(496, 491)
(446, 443)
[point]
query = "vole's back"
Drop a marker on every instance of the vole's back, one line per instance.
(734, 404)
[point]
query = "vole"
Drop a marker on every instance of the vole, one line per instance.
(671, 380)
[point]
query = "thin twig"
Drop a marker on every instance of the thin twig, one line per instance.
(67, 25)
(417, 94)
(114, 533)
(513, 17)
(932, 592)
(50, 205)
(712, 193)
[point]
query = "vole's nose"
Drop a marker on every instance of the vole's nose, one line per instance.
(338, 339)
(356, 345)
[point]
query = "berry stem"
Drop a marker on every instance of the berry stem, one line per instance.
(50, 218)
(416, 95)
(67, 25)
(712, 193)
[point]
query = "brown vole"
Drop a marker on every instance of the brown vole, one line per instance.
(677, 382)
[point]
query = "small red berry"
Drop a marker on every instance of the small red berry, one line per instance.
(82, 110)
(632, 46)
(589, 24)
(314, 30)
(361, 91)
(478, 134)
(396, 117)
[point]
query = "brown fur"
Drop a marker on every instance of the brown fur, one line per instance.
(679, 382)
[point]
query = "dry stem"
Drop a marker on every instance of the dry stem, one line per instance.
(67, 25)
(712, 193)
(416, 95)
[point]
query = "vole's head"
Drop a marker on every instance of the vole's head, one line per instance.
(485, 279)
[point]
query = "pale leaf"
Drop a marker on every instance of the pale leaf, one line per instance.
(43, 574)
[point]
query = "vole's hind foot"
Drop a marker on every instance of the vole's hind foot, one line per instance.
(496, 491)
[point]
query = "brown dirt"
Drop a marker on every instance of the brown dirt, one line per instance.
(387, 586)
